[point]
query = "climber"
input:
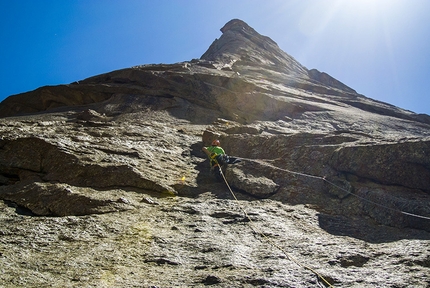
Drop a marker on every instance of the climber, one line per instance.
(218, 158)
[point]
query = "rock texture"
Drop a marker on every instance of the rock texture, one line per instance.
(104, 183)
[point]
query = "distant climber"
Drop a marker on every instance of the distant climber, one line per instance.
(218, 158)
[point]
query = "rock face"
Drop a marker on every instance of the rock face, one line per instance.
(104, 183)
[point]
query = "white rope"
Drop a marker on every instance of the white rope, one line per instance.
(257, 231)
(341, 188)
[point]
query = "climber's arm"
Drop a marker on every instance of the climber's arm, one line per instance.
(207, 152)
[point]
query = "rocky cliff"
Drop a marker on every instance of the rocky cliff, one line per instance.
(104, 183)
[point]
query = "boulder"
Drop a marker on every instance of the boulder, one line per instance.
(256, 185)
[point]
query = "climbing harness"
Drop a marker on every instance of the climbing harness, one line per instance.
(256, 231)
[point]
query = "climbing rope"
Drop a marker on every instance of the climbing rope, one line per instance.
(253, 227)
(257, 231)
(341, 188)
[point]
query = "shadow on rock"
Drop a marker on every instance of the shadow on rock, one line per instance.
(367, 230)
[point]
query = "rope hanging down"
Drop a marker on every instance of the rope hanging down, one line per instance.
(251, 224)
(341, 188)
(309, 176)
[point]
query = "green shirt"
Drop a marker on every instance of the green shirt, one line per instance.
(217, 150)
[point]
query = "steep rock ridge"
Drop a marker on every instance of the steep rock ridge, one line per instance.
(113, 168)
(323, 77)
(242, 43)
(240, 62)
(241, 49)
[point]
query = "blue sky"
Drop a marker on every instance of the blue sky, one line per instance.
(380, 48)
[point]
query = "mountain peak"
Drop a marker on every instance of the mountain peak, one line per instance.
(245, 51)
(237, 25)
(241, 45)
